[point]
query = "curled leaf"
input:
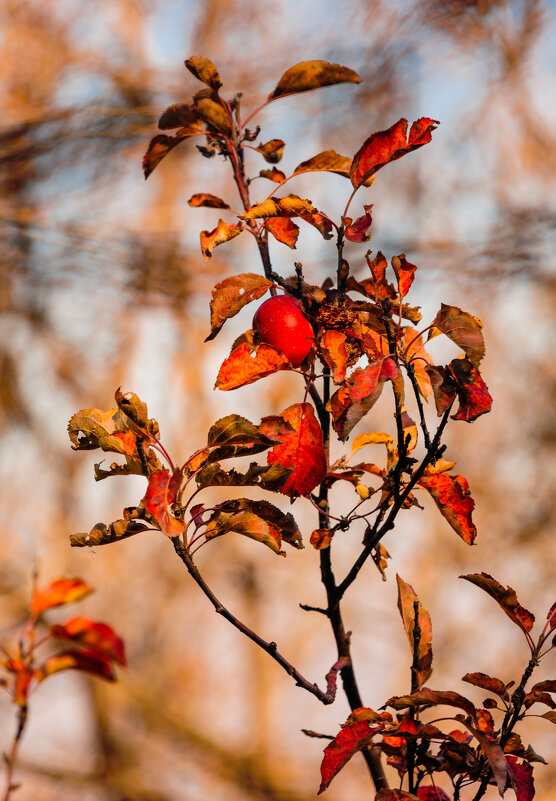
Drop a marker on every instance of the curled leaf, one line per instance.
(335, 353)
(357, 231)
(289, 206)
(462, 328)
(86, 661)
(103, 535)
(453, 498)
(161, 145)
(205, 71)
(258, 520)
(210, 108)
(100, 637)
(207, 200)
(272, 151)
(406, 600)
(222, 233)
(405, 273)
(506, 599)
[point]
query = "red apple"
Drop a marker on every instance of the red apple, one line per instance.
(280, 322)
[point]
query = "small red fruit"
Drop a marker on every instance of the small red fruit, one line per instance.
(280, 322)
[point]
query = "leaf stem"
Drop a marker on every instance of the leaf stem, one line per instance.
(12, 756)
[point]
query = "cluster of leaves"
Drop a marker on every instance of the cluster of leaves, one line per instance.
(484, 747)
(366, 337)
(94, 648)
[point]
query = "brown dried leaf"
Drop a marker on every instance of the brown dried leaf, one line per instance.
(231, 295)
(222, 233)
(309, 75)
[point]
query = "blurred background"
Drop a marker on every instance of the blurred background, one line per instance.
(102, 285)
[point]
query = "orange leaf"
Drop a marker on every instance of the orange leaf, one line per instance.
(241, 367)
(452, 496)
(283, 229)
(231, 295)
(406, 600)
(405, 273)
(209, 107)
(289, 206)
(57, 593)
(301, 449)
(207, 200)
(87, 661)
(162, 493)
(99, 637)
(272, 150)
(334, 351)
(327, 161)
(414, 352)
(377, 288)
(385, 146)
(321, 538)
(222, 233)
(259, 520)
(309, 75)
(273, 175)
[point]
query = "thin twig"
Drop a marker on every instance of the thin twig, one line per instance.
(269, 647)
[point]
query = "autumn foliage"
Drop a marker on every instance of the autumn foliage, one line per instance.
(364, 343)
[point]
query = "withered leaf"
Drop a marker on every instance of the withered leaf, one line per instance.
(385, 146)
(205, 71)
(327, 161)
(270, 477)
(207, 200)
(283, 229)
(473, 395)
(506, 599)
(136, 412)
(231, 295)
(233, 435)
(258, 520)
(180, 115)
(453, 498)
(357, 231)
(462, 328)
(289, 206)
(309, 75)
(222, 233)
(161, 144)
(103, 535)
(243, 367)
(58, 593)
(321, 538)
(485, 682)
(521, 777)
(301, 450)
(427, 697)
(406, 600)
(273, 175)
(272, 150)
(210, 108)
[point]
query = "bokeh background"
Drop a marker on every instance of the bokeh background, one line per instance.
(102, 285)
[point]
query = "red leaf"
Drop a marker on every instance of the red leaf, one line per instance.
(243, 367)
(357, 231)
(521, 777)
(385, 146)
(98, 636)
(59, 592)
(302, 449)
(429, 792)
(359, 394)
(405, 273)
(452, 496)
(23, 678)
(443, 387)
(505, 597)
(87, 661)
(283, 229)
(222, 233)
(380, 289)
(162, 493)
(551, 617)
(474, 397)
(353, 737)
